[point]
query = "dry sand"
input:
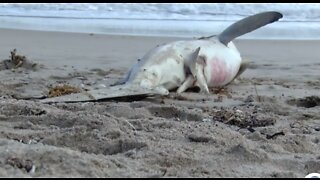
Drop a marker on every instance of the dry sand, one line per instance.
(264, 125)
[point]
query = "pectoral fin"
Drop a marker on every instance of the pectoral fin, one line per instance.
(192, 63)
(131, 73)
(123, 80)
(196, 64)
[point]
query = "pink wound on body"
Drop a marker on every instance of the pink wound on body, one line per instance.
(218, 71)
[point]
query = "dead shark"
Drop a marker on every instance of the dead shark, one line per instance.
(212, 61)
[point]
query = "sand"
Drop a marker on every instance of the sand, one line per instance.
(266, 124)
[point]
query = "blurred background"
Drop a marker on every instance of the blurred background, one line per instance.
(300, 21)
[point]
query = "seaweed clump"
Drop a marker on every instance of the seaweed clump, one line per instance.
(61, 90)
(16, 61)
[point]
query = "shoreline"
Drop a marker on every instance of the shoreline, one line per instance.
(149, 36)
(174, 28)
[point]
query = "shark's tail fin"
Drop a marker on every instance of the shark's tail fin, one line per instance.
(248, 24)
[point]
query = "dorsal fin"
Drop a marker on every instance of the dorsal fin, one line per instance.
(247, 25)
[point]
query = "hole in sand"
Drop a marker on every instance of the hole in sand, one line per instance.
(307, 102)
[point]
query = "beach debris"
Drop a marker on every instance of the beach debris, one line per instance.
(247, 118)
(121, 92)
(255, 89)
(268, 136)
(313, 175)
(21, 163)
(61, 90)
(16, 61)
(222, 91)
(33, 169)
(249, 99)
(199, 138)
(250, 129)
(206, 120)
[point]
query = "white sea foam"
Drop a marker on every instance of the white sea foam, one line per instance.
(300, 21)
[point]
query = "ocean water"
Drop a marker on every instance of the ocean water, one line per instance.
(300, 21)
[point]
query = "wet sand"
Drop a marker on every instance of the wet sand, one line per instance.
(266, 124)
